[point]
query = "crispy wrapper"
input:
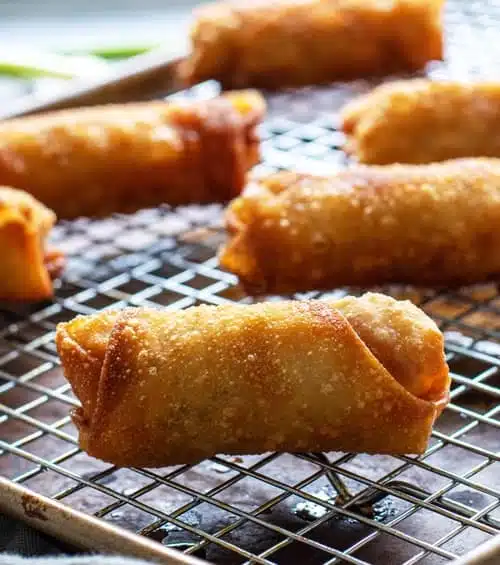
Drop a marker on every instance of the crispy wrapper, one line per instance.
(421, 121)
(273, 44)
(159, 388)
(26, 265)
(119, 158)
(426, 225)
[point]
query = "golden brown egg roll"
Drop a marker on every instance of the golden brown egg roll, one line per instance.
(160, 388)
(119, 158)
(425, 225)
(26, 265)
(274, 44)
(421, 121)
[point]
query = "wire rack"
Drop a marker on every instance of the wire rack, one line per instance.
(273, 508)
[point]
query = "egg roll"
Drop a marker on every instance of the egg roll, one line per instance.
(282, 43)
(426, 225)
(119, 158)
(27, 265)
(421, 121)
(160, 388)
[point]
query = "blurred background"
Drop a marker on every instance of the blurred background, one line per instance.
(35, 34)
(71, 24)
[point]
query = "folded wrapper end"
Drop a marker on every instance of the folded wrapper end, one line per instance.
(225, 129)
(251, 108)
(82, 345)
(27, 266)
(245, 264)
(404, 340)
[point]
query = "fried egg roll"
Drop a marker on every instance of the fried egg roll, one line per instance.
(426, 225)
(280, 43)
(119, 158)
(26, 264)
(421, 121)
(159, 387)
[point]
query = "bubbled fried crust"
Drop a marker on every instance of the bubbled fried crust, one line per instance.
(175, 387)
(26, 267)
(421, 121)
(118, 158)
(426, 225)
(273, 44)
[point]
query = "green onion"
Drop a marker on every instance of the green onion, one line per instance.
(19, 70)
(117, 52)
(33, 64)
(67, 65)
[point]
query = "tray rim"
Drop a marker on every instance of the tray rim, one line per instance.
(73, 526)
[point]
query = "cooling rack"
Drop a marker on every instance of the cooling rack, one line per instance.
(274, 508)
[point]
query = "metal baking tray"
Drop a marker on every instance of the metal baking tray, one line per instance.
(274, 508)
(144, 77)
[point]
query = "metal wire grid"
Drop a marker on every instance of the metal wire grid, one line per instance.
(272, 508)
(191, 276)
